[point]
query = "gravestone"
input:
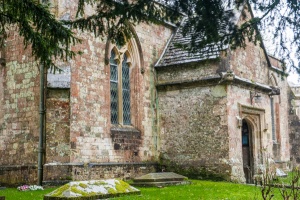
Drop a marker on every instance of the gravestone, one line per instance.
(94, 189)
(160, 179)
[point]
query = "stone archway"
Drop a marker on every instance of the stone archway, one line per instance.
(247, 151)
(254, 125)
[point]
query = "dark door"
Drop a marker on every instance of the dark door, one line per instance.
(247, 152)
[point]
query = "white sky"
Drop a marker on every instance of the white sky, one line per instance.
(269, 44)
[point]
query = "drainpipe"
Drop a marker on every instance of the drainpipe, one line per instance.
(42, 122)
(42, 125)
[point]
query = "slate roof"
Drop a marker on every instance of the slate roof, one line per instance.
(175, 55)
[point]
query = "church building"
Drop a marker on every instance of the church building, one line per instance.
(123, 111)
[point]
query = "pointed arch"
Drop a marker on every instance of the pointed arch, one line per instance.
(254, 126)
(114, 54)
(130, 75)
(136, 46)
(129, 59)
(133, 46)
(247, 150)
(255, 118)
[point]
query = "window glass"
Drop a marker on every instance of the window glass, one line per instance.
(120, 93)
(126, 91)
(113, 89)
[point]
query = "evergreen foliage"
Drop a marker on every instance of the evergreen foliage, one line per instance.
(48, 37)
(207, 21)
(113, 17)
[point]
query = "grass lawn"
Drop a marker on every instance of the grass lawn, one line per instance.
(207, 190)
(198, 190)
(288, 180)
(14, 194)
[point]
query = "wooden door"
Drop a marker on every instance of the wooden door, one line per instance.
(247, 152)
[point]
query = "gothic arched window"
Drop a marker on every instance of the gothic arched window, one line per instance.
(120, 89)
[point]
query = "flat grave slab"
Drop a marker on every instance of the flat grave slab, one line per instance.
(161, 179)
(90, 190)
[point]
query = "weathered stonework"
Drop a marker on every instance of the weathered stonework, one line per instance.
(203, 106)
(294, 124)
(188, 116)
(14, 175)
(19, 112)
(193, 130)
(78, 127)
(59, 173)
(193, 72)
(58, 126)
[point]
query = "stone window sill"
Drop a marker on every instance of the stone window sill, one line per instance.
(123, 128)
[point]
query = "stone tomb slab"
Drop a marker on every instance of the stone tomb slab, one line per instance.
(161, 179)
(94, 189)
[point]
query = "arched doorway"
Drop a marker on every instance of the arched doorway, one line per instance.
(247, 151)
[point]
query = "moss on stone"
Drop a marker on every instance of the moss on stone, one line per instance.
(123, 187)
(100, 183)
(83, 185)
(60, 190)
(111, 191)
(78, 191)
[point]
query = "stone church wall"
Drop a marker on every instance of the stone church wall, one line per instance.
(193, 122)
(281, 146)
(91, 133)
(191, 72)
(19, 79)
(193, 126)
(185, 117)
(294, 124)
(57, 126)
(257, 116)
(92, 137)
(251, 64)
(250, 67)
(78, 124)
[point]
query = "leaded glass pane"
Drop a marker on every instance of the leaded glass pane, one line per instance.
(113, 68)
(112, 58)
(113, 89)
(126, 91)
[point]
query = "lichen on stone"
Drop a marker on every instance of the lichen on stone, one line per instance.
(83, 185)
(123, 187)
(111, 190)
(75, 189)
(94, 188)
(58, 192)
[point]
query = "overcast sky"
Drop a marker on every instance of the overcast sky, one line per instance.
(271, 48)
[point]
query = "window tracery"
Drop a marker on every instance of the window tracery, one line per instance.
(120, 87)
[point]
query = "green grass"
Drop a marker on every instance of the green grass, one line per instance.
(287, 180)
(196, 191)
(207, 190)
(14, 194)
